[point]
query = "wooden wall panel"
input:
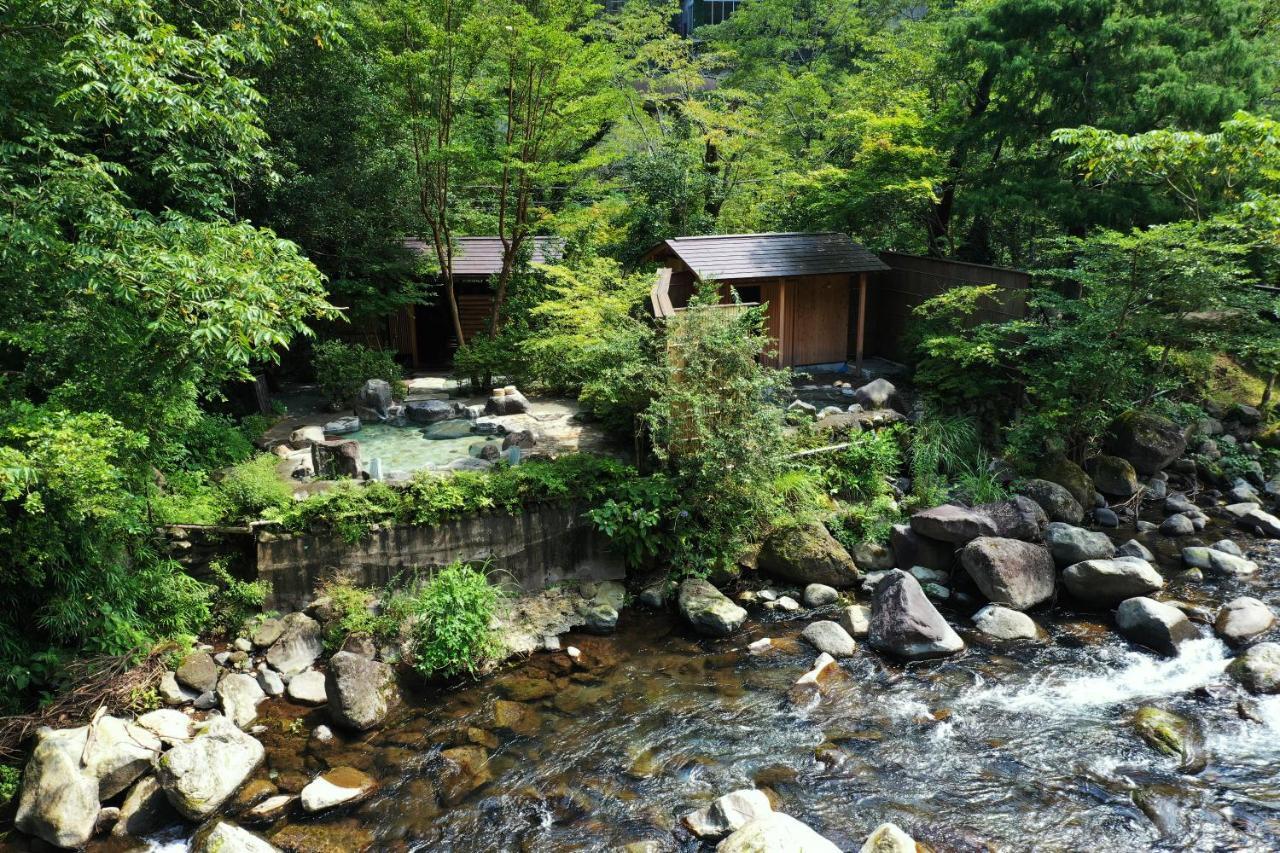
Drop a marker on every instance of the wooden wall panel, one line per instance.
(818, 327)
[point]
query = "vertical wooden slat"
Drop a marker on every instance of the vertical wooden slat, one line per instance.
(862, 319)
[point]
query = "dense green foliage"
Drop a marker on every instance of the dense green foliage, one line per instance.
(341, 370)
(451, 615)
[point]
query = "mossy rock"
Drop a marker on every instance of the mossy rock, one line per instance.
(1071, 477)
(1270, 436)
(808, 553)
(1147, 441)
(1173, 735)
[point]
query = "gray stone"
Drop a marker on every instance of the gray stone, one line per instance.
(1001, 623)
(819, 595)
(145, 809)
(829, 637)
(269, 810)
(872, 556)
(239, 695)
(1106, 517)
(1242, 619)
(1155, 625)
(1178, 504)
(339, 459)
(788, 603)
(118, 752)
(1016, 574)
(952, 523)
(1258, 669)
(1108, 582)
(1177, 525)
(654, 596)
(172, 693)
(1264, 523)
(1150, 442)
(879, 394)
(506, 401)
(267, 632)
(59, 802)
(308, 688)
(1218, 562)
(600, 617)
(344, 425)
(905, 623)
(1226, 546)
(808, 553)
(303, 437)
(170, 726)
(1019, 518)
(1070, 544)
(1134, 548)
(1242, 492)
(270, 682)
(1157, 490)
(360, 692)
(299, 644)
(856, 620)
(912, 549)
(224, 837)
(338, 787)
(360, 643)
(728, 814)
(776, 833)
(376, 395)
(428, 411)
(888, 838)
(802, 408)
(198, 672)
(707, 609)
(521, 438)
(206, 701)
(448, 429)
(1055, 500)
(1145, 526)
(198, 777)
(1113, 476)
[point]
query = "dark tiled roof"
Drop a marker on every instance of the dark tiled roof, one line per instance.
(483, 255)
(742, 256)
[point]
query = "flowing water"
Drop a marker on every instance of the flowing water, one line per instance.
(1028, 747)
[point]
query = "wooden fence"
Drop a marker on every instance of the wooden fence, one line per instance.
(912, 279)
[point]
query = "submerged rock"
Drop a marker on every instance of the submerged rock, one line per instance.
(1155, 625)
(808, 553)
(888, 838)
(339, 787)
(360, 691)
(59, 802)
(1070, 544)
(1243, 618)
(776, 833)
(1106, 583)
(1056, 501)
(1258, 669)
(1001, 623)
(707, 609)
(198, 777)
(829, 637)
(1174, 735)
(1010, 572)
(906, 624)
(728, 813)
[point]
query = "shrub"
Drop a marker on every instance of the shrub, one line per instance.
(868, 521)
(864, 470)
(234, 601)
(10, 779)
(452, 612)
(638, 519)
(251, 488)
(187, 497)
(351, 605)
(342, 369)
(209, 442)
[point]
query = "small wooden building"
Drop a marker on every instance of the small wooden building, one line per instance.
(423, 335)
(814, 287)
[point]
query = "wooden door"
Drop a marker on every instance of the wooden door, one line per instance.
(817, 328)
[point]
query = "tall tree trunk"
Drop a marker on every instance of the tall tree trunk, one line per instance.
(940, 213)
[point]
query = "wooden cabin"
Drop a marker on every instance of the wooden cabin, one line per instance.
(813, 287)
(423, 335)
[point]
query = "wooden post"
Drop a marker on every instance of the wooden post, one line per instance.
(862, 318)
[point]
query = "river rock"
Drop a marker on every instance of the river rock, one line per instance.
(59, 801)
(338, 787)
(599, 617)
(1258, 669)
(270, 681)
(1002, 623)
(1105, 516)
(776, 833)
(266, 632)
(1134, 548)
(1218, 562)
(239, 695)
(1178, 503)
(448, 429)
(1154, 624)
(117, 753)
(1150, 442)
(820, 595)
(1113, 476)
(337, 459)
(707, 609)
(1056, 501)
(728, 813)
(1010, 572)
(428, 411)
(809, 685)
(1106, 583)
(856, 620)
(1174, 735)
(506, 401)
(1243, 618)
(198, 672)
(1019, 518)
(952, 523)
(879, 394)
(905, 623)
(808, 553)
(360, 692)
(145, 809)
(298, 646)
(170, 726)
(1177, 525)
(872, 556)
(888, 838)
(912, 549)
(308, 688)
(269, 810)
(172, 693)
(1070, 544)
(224, 837)
(1263, 523)
(199, 776)
(829, 637)
(1071, 477)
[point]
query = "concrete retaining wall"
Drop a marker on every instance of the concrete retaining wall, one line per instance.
(541, 546)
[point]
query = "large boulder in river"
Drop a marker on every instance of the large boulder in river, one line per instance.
(1217, 562)
(707, 609)
(1020, 518)
(776, 833)
(1010, 572)
(118, 753)
(808, 553)
(1154, 624)
(59, 801)
(952, 523)
(1070, 544)
(1258, 669)
(912, 549)
(1071, 477)
(200, 776)
(299, 644)
(1252, 517)
(1113, 476)
(905, 623)
(1106, 583)
(1147, 440)
(1056, 501)
(1243, 618)
(1001, 623)
(360, 691)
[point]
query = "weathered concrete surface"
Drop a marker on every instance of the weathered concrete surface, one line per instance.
(543, 545)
